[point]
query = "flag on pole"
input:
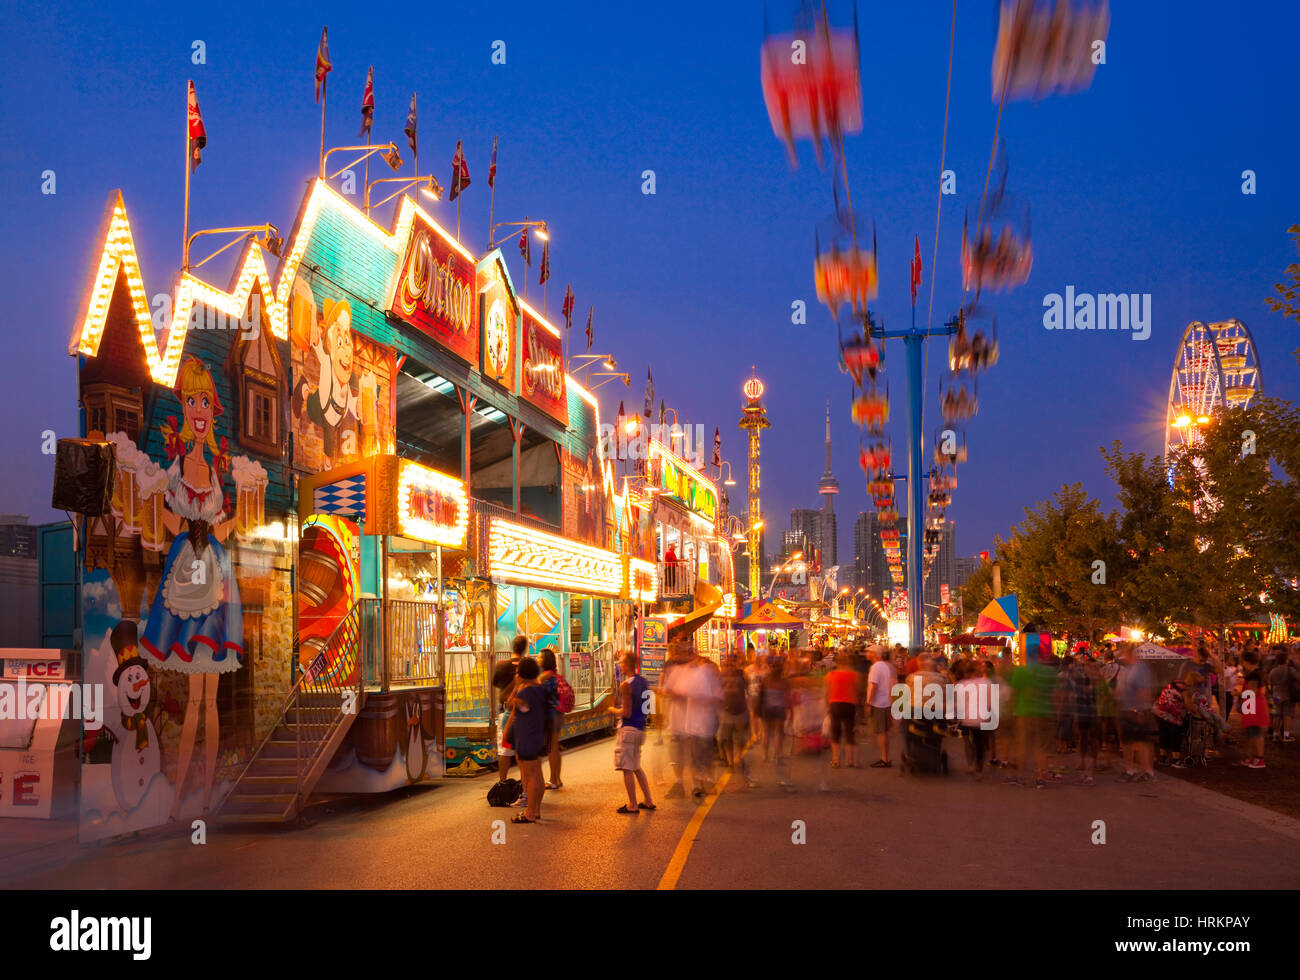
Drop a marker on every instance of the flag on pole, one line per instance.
(492, 168)
(524, 249)
(546, 263)
(649, 391)
(198, 136)
(410, 126)
(717, 446)
(591, 334)
(368, 103)
(567, 308)
(323, 65)
(459, 172)
(916, 268)
(663, 412)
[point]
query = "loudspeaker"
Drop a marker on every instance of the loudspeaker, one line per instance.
(84, 473)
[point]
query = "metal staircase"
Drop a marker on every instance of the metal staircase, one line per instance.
(275, 785)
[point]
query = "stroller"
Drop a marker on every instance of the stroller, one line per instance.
(1198, 741)
(923, 747)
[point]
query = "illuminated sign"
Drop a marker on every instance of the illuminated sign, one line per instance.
(499, 315)
(543, 374)
(642, 580)
(435, 291)
(526, 556)
(431, 506)
(685, 484)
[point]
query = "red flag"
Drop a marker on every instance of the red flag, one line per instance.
(524, 249)
(410, 128)
(916, 269)
(323, 65)
(492, 168)
(546, 263)
(567, 308)
(368, 103)
(459, 172)
(198, 136)
(591, 334)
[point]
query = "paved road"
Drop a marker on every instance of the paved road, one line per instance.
(869, 829)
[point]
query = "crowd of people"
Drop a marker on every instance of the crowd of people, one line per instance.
(1116, 711)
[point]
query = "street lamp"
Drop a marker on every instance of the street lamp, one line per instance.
(270, 240)
(728, 481)
(539, 229)
(431, 188)
(388, 149)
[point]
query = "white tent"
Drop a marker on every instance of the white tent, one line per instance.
(1152, 651)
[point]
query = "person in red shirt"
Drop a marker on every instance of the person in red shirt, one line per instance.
(842, 698)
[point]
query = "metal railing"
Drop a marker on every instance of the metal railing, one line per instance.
(408, 657)
(677, 578)
(594, 673)
(413, 643)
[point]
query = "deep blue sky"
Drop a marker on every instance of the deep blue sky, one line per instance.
(1134, 186)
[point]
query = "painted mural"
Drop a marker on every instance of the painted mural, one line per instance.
(185, 596)
(343, 398)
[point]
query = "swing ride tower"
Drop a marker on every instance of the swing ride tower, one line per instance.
(754, 420)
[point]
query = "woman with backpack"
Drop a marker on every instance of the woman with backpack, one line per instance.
(1170, 710)
(551, 683)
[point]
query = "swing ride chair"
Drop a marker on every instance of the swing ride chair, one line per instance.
(819, 96)
(1044, 50)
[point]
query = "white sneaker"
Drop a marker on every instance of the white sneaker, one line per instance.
(521, 802)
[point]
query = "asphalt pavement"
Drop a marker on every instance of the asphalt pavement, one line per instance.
(842, 828)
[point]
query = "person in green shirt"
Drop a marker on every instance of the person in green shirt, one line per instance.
(1033, 687)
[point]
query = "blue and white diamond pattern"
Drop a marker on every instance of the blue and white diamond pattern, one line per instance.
(341, 497)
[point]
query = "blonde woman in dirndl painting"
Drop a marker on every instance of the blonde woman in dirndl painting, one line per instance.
(196, 624)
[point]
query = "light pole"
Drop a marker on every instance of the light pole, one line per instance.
(795, 560)
(754, 420)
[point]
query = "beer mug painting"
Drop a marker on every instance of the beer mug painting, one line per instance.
(250, 495)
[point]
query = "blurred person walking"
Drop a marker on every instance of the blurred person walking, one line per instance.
(1133, 698)
(703, 696)
(842, 693)
(774, 700)
(673, 694)
(974, 691)
(1254, 708)
(734, 725)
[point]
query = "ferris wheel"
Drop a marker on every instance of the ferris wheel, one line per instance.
(1216, 366)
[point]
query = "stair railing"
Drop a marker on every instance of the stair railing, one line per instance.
(335, 670)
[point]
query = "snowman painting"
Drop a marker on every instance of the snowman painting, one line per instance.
(417, 757)
(135, 749)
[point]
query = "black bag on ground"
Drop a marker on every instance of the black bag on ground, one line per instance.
(504, 792)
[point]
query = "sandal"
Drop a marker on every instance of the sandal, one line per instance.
(881, 764)
(624, 809)
(648, 806)
(554, 785)
(520, 818)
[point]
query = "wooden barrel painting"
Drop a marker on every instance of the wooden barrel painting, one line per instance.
(538, 619)
(378, 731)
(433, 711)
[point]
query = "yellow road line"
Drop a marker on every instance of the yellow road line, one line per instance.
(674, 870)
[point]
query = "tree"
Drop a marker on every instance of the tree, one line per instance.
(1059, 562)
(1287, 300)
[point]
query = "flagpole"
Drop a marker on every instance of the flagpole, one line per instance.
(185, 233)
(324, 95)
(366, 180)
(492, 198)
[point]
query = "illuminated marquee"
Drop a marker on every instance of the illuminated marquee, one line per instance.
(431, 506)
(435, 291)
(527, 556)
(642, 580)
(684, 483)
(543, 354)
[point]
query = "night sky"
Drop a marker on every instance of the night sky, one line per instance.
(1135, 186)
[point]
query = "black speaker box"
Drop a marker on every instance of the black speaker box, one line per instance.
(84, 471)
